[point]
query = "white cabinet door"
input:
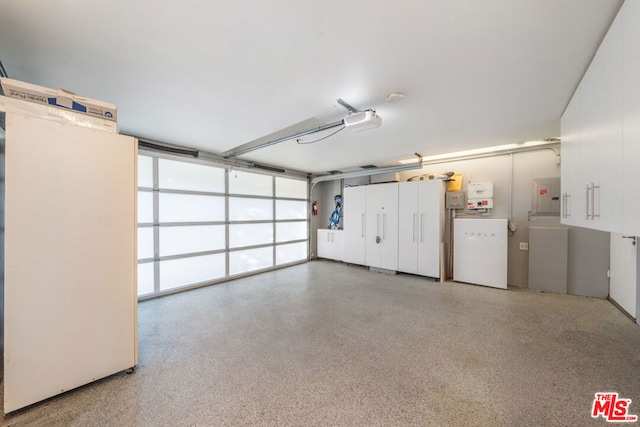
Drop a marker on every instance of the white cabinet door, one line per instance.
(622, 283)
(431, 227)
(336, 252)
(631, 115)
(570, 166)
(408, 227)
(601, 134)
(381, 227)
(354, 225)
(323, 243)
(330, 244)
(389, 222)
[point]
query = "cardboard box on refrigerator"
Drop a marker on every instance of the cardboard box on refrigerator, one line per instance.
(59, 98)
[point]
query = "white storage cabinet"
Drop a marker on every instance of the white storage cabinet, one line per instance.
(330, 244)
(421, 227)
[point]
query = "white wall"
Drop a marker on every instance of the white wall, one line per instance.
(512, 176)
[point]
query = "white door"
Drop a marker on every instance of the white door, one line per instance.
(431, 226)
(408, 227)
(354, 225)
(622, 283)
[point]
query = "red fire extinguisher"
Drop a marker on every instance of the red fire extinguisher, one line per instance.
(314, 208)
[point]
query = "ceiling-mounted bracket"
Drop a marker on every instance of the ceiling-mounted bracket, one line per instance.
(351, 109)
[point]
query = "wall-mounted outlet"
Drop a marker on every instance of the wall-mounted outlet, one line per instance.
(524, 246)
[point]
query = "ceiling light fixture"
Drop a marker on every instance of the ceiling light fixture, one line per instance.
(394, 98)
(496, 149)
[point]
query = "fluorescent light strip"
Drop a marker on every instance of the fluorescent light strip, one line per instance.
(496, 149)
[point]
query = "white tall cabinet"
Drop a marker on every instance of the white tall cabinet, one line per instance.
(70, 313)
(421, 227)
(381, 226)
(354, 240)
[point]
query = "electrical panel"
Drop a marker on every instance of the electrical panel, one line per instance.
(480, 195)
(545, 196)
(454, 200)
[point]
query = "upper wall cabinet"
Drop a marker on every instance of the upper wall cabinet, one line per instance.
(570, 171)
(631, 114)
(592, 140)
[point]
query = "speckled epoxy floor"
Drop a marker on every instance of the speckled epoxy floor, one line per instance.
(326, 344)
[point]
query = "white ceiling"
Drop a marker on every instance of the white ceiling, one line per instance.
(214, 75)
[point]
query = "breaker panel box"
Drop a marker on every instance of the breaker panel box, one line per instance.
(545, 196)
(480, 195)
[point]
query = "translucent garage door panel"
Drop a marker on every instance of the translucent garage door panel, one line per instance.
(250, 183)
(291, 188)
(251, 259)
(286, 231)
(243, 209)
(145, 207)
(190, 208)
(190, 176)
(191, 239)
(186, 271)
(250, 234)
(291, 253)
(145, 242)
(145, 278)
(290, 209)
(145, 171)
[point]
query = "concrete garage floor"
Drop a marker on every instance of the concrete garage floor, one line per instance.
(328, 344)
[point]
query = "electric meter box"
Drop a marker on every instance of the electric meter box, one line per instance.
(454, 200)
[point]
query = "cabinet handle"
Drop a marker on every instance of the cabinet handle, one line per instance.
(567, 211)
(383, 217)
(564, 205)
(413, 232)
(363, 225)
(328, 238)
(422, 227)
(593, 201)
(377, 224)
(588, 192)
